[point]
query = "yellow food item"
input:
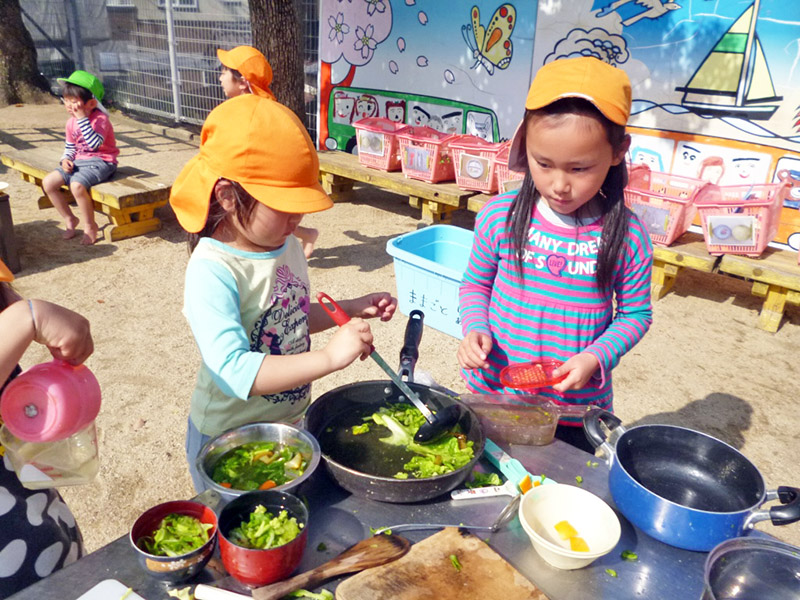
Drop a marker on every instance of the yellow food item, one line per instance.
(565, 530)
(578, 544)
(525, 485)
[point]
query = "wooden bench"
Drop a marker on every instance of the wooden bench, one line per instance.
(776, 278)
(339, 170)
(775, 274)
(688, 251)
(129, 198)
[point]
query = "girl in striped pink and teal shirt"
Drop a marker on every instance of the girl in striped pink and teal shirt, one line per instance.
(560, 269)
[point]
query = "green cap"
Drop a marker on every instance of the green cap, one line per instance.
(86, 80)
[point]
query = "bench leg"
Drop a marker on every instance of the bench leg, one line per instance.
(773, 306)
(8, 241)
(433, 212)
(336, 184)
(663, 279)
(129, 222)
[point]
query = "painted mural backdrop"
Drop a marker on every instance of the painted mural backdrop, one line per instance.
(716, 83)
(453, 66)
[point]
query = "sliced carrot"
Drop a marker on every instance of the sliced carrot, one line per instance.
(225, 484)
(525, 485)
(267, 485)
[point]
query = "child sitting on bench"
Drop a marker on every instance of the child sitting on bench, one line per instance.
(90, 153)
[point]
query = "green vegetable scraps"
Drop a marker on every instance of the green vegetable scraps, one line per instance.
(323, 595)
(611, 572)
(321, 547)
(374, 530)
(176, 535)
(444, 456)
(359, 429)
(591, 463)
(483, 480)
(263, 530)
(628, 555)
(579, 479)
(181, 594)
(454, 562)
(259, 466)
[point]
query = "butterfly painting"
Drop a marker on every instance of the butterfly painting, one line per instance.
(491, 46)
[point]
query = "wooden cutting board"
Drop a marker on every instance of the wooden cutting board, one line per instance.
(427, 573)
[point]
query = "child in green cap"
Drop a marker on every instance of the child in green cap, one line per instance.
(90, 153)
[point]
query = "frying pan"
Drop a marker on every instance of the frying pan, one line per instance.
(368, 396)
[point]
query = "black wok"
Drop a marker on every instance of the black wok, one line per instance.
(366, 397)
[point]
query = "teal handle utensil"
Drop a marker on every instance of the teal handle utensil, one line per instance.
(510, 467)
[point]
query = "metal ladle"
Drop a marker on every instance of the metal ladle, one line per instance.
(437, 424)
(504, 517)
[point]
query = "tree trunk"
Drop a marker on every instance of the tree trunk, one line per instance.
(20, 80)
(277, 33)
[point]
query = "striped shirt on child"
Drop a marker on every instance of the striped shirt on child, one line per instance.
(556, 309)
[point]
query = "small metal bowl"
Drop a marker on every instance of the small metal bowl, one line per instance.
(173, 569)
(260, 567)
(281, 433)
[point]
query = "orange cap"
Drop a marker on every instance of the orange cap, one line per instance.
(260, 144)
(5, 274)
(253, 66)
(605, 86)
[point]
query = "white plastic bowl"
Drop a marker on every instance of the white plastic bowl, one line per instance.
(593, 519)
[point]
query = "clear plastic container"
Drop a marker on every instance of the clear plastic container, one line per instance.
(71, 461)
(48, 431)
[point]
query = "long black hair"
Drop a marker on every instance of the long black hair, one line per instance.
(245, 203)
(610, 198)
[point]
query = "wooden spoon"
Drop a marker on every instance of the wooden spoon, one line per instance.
(371, 552)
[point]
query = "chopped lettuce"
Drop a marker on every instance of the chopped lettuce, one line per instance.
(442, 456)
(263, 530)
(483, 480)
(176, 535)
(359, 429)
(251, 465)
(323, 595)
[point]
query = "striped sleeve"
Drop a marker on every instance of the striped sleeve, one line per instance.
(69, 151)
(69, 145)
(92, 138)
(634, 312)
(475, 291)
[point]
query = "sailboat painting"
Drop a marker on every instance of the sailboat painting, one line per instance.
(734, 79)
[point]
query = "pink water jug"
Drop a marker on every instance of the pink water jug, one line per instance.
(50, 401)
(48, 431)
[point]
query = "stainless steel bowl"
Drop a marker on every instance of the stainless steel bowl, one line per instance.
(257, 432)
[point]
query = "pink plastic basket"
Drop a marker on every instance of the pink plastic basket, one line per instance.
(474, 161)
(507, 179)
(425, 154)
(740, 219)
(377, 143)
(663, 202)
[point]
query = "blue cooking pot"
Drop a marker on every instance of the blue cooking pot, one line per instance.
(682, 487)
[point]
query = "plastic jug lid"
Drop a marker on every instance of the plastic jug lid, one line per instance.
(50, 401)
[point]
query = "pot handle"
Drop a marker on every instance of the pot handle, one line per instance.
(595, 420)
(787, 512)
(409, 353)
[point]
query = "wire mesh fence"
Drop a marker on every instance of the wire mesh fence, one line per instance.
(156, 60)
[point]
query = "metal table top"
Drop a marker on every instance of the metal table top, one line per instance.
(339, 519)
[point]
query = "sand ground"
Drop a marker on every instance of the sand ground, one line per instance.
(704, 364)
